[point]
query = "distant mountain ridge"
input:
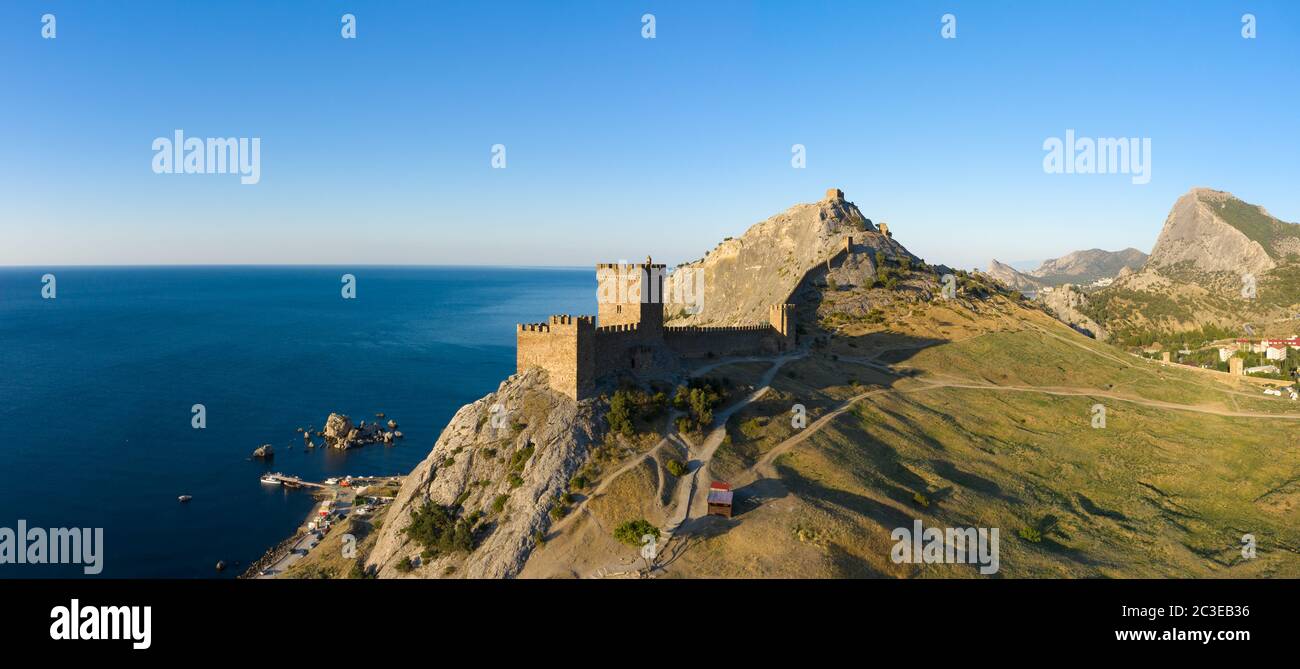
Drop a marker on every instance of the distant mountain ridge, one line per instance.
(1088, 266)
(1079, 268)
(1219, 261)
(1013, 278)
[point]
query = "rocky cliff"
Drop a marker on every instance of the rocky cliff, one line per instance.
(1068, 304)
(742, 276)
(500, 464)
(1213, 231)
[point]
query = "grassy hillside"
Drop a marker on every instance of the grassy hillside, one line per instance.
(977, 413)
(1167, 488)
(1257, 225)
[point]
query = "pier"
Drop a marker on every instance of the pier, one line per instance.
(293, 481)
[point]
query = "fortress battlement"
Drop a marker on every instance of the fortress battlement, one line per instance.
(716, 328)
(558, 322)
(623, 266)
(622, 327)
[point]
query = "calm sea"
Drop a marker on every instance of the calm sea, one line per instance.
(97, 385)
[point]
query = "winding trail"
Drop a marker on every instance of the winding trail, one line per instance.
(764, 468)
(685, 498)
(688, 505)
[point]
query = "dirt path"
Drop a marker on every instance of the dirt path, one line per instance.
(764, 469)
(685, 497)
(1090, 392)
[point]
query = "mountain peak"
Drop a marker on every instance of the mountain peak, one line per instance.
(1215, 231)
(744, 275)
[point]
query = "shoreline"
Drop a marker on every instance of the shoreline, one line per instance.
(282, 549)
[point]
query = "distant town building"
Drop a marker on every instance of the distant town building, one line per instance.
(1263, 369)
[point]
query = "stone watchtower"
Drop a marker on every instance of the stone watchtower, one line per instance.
(630, 294)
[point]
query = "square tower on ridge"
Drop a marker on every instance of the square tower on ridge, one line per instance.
(630, 294)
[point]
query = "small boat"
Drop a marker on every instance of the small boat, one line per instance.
(185, 498)
(270, 478)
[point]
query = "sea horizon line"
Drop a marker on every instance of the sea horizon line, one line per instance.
(292, 265)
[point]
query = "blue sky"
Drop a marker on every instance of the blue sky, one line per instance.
(377, 150)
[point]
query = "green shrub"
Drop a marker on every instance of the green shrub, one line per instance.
(630, 532)
(439, 530)
(698, 399)
(499, 503)
(1030, 534)
(520, 458)
(676, 467)
(404, 566)
(619, 415)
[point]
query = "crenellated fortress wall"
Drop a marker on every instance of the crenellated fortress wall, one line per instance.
(631, 336)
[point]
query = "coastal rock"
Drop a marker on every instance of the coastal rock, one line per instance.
(471, 451)
(264, 452)
(339, 431)
(392, 424)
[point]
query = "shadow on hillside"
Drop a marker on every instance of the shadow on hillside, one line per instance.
(831, 500)
(821, 370)
(750, 497)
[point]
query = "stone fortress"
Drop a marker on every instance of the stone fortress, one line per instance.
(577, 352)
